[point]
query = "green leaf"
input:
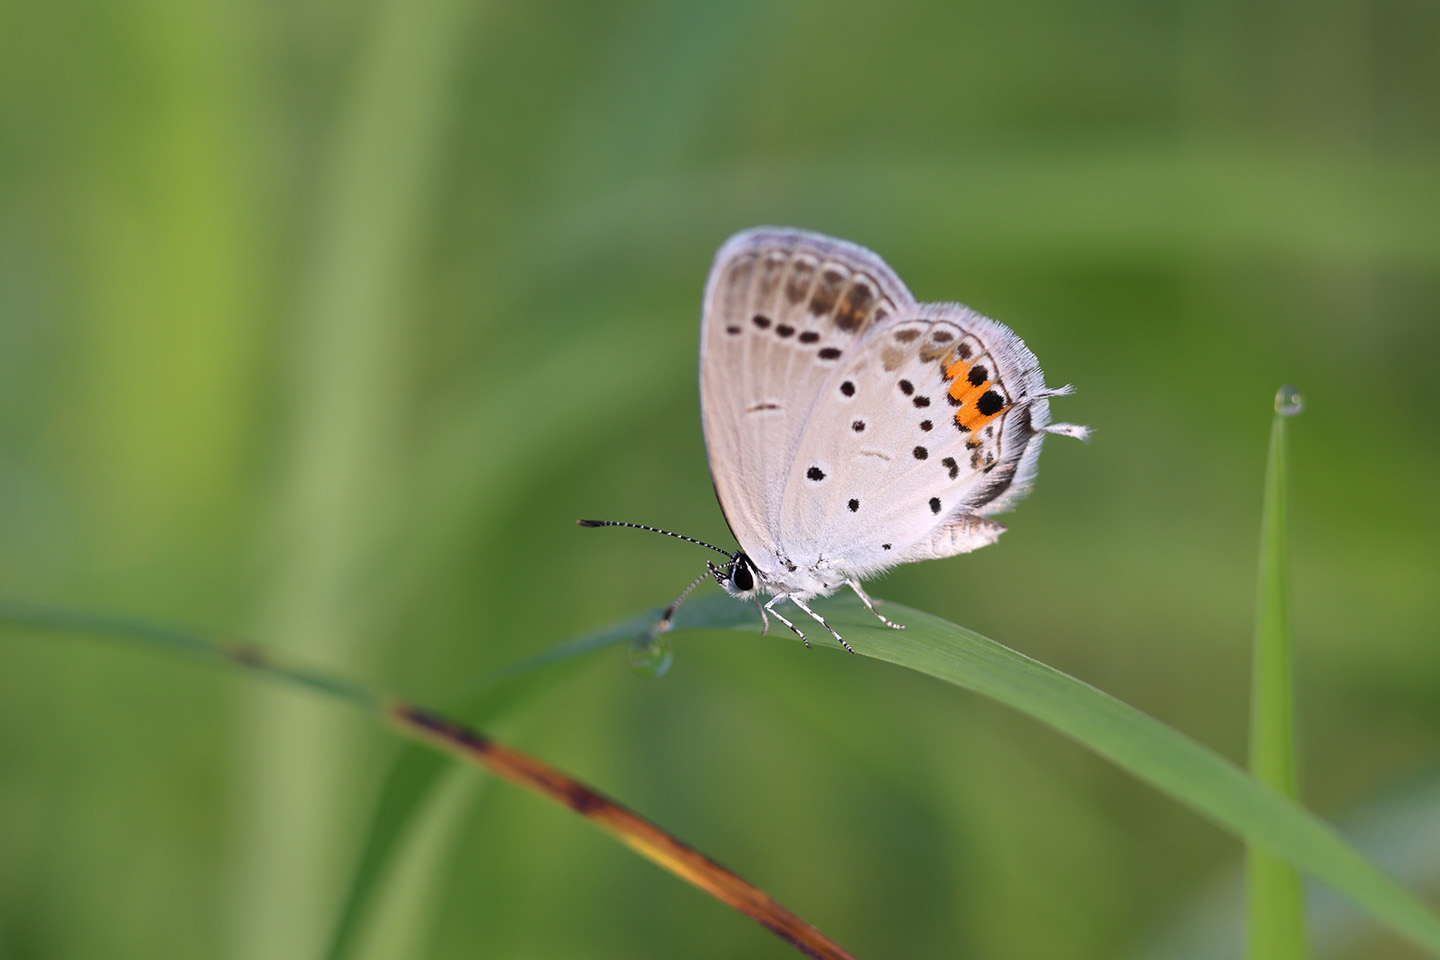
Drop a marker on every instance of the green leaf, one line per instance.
(1276, 900)
(1157, 754)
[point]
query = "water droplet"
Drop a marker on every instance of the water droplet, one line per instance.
(651, 656)
(1288, 401)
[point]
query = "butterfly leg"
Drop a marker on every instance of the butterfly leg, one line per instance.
(870, 605)
(820, 620)
(764, 620)
(781, 617)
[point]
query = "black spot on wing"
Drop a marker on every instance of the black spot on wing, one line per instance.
(990, 402)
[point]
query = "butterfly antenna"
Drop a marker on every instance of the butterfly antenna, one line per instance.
(641, 526)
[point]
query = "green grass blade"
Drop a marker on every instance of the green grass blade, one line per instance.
(216, 649)
(1155, 753)
(1276, 902)
(412, 892)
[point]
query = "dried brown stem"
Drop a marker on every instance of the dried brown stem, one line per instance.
(642, 836)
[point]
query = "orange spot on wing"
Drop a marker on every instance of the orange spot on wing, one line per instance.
(961, 389)
(972, 419)
(956, 374)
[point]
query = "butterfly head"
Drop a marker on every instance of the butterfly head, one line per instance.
(738, 577)
(737, 574)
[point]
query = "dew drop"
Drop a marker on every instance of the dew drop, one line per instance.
(1288, 401)
(651, 656)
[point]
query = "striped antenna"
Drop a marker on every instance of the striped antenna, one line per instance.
(641, 526)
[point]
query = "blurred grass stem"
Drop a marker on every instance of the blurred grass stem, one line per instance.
(1276, 901)
(337, 484)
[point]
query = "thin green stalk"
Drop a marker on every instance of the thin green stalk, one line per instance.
(216, 650)
(1276, 902)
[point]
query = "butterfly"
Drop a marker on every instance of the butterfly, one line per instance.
(850, 428)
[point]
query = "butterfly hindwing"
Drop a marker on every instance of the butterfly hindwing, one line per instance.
(923, 431)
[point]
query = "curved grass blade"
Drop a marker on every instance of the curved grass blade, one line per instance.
(1276, 901)
(465, 742)
(411, 899)
(1157, 754)
(215, 649)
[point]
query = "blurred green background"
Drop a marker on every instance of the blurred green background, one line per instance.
(322, 322)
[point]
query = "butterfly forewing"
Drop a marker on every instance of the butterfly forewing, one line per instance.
(783, 311)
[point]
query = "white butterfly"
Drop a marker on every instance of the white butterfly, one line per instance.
(850, 428)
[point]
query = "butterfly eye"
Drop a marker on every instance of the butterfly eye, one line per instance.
(740, 576)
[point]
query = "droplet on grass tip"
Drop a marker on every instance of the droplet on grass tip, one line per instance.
(651, 656)
(1288, 401)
